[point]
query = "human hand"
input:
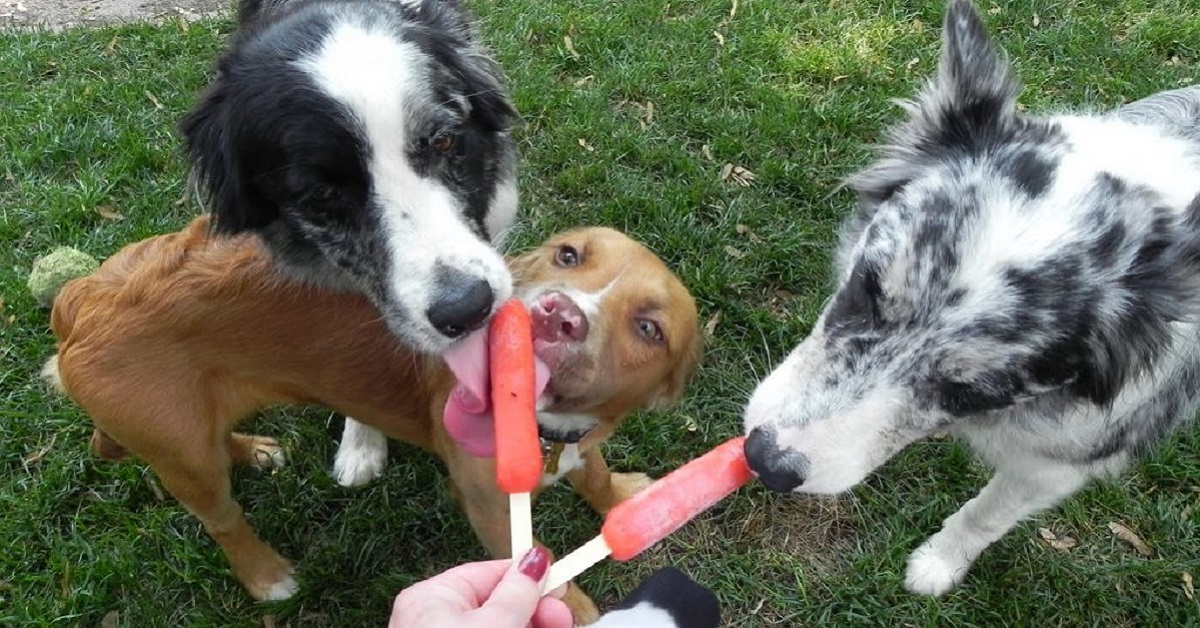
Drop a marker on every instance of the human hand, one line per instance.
(491, 594)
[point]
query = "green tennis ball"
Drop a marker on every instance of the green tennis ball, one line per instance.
(53, 270)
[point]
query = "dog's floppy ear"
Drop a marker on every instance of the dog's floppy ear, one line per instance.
(969, 104)
(216, 171)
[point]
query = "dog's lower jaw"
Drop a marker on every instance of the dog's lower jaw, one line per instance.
(361, 455)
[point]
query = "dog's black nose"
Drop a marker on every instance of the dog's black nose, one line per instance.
(462, 303)
(781, 471)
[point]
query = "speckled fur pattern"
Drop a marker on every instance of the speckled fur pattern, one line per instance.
(1030, 284)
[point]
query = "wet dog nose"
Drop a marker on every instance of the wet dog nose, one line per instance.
(781, 471)
(462, 303)
(556, 318)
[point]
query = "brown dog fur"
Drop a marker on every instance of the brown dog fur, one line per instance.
(177, 338)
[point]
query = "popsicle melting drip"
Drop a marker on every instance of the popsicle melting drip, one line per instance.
(660, 509)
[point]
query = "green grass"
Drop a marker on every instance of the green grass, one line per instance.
(793, 91)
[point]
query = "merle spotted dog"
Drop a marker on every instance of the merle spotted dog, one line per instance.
(1030, 284)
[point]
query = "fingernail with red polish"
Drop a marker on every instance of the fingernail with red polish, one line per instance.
(534, 563)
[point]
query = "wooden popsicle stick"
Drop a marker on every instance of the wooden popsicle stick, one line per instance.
(568, 567)
(520, 521)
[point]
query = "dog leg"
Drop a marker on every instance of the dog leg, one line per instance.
(361, 456)
(1013, 494)
(257, 452)
(105, 447)
(200, 481)
(601, 488)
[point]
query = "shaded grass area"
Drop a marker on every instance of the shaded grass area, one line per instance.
(628, 123)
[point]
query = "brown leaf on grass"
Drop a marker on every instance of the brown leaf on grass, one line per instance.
(1061, 543)
(740, 175)
(733, 9)
(749, 233)
(584, 81)
(912, 63)
(112, 619)
(1122, 532)
(38, 455)
(720, 39)
(584, 144)
(569, 44)
(1037, 20)
(153, 99)
(1189, 587)
(112, 45)
(711, 326)
(706, 152)
(108, 213)
(689, 424)
(733, 252)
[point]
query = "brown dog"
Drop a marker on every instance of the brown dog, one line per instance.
(177, 338)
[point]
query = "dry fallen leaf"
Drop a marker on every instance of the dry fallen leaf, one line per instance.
(737, 174)
(1189, 587)
(711, 326)
(585, 80)
(689, 424)
(734, 253)
(706, 152)
(720, 39)
(994, 10)
(153, 99)
(586, 146)
(112, 45)
(38, 455)
(108, 213)
(733, 9)
(746, 231)
(111, 620)
(1037, 21)
(1061, 543)
(1121, 531)
(912, 62)
(569, 44)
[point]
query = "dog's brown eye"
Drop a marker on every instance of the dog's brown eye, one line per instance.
(567, 256)
(649, 330)
(444, 142)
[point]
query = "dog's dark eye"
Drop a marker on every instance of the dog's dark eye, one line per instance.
(567, 256)
(322, 193)
(650, 330)
(444, 142)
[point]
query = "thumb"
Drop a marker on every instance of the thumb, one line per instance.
(516, 596)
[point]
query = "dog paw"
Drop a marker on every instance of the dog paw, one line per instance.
(361, 457)
(930, 573)
(267, 454)
(281, 590)
(271, 578)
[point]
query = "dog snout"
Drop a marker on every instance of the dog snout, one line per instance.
(557, 318)
(781, 471)
(462, 303)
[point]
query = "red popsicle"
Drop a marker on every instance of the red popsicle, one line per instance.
(660, 509)
(514, 404)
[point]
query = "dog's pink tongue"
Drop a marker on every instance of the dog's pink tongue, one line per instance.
(468, 416)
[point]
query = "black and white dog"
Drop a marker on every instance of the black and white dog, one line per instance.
(1031, 284)
(367, 142)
